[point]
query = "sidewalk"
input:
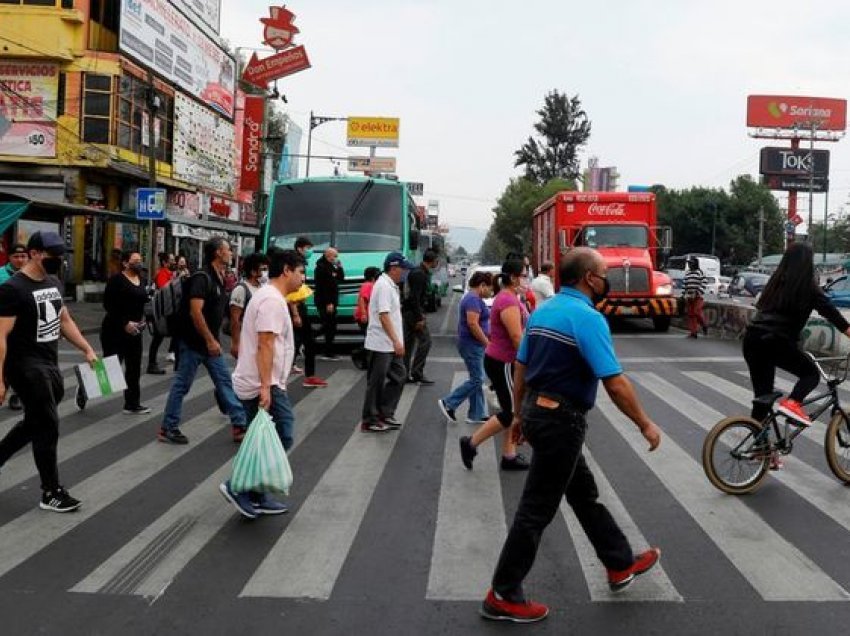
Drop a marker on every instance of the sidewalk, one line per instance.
(88, 316)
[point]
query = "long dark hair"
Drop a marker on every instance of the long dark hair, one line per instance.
(792, 285)
(511, 267)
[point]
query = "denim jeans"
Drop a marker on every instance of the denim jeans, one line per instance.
(473, 389)
(188, 362)
(280, 412)
(558, 469)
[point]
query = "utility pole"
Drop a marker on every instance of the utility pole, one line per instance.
(761, 235)
(825, 222)
(713, 225)
(812, 182)
(315, 121)
(153, 104)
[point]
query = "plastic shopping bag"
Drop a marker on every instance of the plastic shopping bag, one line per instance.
(261, 464)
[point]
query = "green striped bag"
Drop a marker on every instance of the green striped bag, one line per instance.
(261, 464)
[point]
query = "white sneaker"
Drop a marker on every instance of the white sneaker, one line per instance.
(170, 357)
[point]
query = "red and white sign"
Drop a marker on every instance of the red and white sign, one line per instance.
(29, 139)
(252, 133)
(607, 209)
(804, 113)
(28, 98)
(260, 72)
(182, 203)
(279, 28)
(796, 219)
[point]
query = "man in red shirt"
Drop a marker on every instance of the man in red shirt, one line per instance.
(167, 267)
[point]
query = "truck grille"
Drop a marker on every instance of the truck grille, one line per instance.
(638, 280)
(349, 286)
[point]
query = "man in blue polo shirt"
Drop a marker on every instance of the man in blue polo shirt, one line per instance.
(565, 351)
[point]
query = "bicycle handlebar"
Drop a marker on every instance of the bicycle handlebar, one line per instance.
(838, 379)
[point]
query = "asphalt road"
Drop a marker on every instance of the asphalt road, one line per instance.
(389, 535)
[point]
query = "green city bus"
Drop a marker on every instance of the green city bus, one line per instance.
(363, 218)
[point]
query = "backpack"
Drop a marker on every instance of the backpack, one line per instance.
(225, 324)
(165, 306)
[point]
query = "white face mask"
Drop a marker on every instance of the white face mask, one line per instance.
(264, 276)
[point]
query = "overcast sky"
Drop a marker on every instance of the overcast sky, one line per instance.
(663, 82)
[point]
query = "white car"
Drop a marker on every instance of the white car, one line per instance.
(491, 269)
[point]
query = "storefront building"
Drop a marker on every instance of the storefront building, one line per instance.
(80, 107)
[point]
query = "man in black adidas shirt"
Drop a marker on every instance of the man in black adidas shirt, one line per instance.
(32, 316)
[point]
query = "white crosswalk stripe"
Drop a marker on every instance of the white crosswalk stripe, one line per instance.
(470, 524)
(756, 549)
(470, 520)
(342, 495)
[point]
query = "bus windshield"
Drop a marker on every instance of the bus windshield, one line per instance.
(615, 236)
(352, 216)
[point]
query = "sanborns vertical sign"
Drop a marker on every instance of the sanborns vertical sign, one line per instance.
(251, 142)
(804, 113)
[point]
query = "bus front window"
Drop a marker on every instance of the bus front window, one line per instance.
(353, 216)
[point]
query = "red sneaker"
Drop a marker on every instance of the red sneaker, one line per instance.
(497, 609)
(794, 410)
(620, 579)
(314, 382)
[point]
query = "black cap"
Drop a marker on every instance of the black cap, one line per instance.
(18, 248)
(49, 242)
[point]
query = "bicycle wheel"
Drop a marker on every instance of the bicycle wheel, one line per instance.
(735, 456)
(837, 446)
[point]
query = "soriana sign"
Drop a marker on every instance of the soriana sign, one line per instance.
(251, 140)
(804, 113)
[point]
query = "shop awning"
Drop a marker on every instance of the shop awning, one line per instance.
(63, 209)
(10, 212)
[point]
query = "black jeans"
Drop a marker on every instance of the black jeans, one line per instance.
(304, 337)
(414, 362)
(40, 388)
(328, 328)
(129, 351)
(764, 352)
(384, 384)
(153, 351)
(558, 469)
(501, 376)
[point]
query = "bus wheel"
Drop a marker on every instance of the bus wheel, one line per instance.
(661, 323)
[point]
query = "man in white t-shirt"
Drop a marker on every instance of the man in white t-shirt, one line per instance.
(268, 349)
(384, 345)
(542, 285)
(255, 272)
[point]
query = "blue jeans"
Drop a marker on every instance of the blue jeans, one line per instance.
(473, 388)
(188, 362)
(280, 412)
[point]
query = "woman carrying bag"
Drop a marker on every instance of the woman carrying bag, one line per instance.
(121, 331)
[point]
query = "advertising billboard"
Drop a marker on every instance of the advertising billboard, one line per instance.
(203, 146)
(208, 12)
(28, 108)
(794, 162)
(373, 131)
(794, 184)
(785, 111)
(252, 133)
(158, 35)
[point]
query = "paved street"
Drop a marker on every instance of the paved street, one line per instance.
(390, 535)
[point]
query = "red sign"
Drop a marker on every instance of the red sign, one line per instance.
(796, 219)
(251, 141)
(260, 72)
(279, 30)
(782, 111)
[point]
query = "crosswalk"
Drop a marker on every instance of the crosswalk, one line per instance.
(462, 516)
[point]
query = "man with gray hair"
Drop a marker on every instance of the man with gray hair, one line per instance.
(328, 274)
(565, 352)
(542, 285)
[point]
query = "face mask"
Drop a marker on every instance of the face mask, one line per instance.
(308, 253)
(172, 267)
(52, 265)
(606, 287)
(264, 276)
(136, 268)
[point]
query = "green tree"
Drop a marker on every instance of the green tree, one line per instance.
(460, 252)
(563, 128)
(515, 208)
(492, 250)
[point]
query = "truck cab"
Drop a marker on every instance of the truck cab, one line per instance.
(622, 228)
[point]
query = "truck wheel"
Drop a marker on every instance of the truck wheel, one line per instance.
(661, 323)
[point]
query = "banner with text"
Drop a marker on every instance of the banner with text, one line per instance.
(157, 34)
(28, 98)
(252, 133)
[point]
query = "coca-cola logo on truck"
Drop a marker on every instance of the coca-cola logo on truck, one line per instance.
(607, 209)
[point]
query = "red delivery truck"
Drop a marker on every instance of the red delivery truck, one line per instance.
(622, 226)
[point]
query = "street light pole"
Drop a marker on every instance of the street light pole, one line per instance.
(812, 182)
(153, 104)
(713, 225)
(315, 121)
